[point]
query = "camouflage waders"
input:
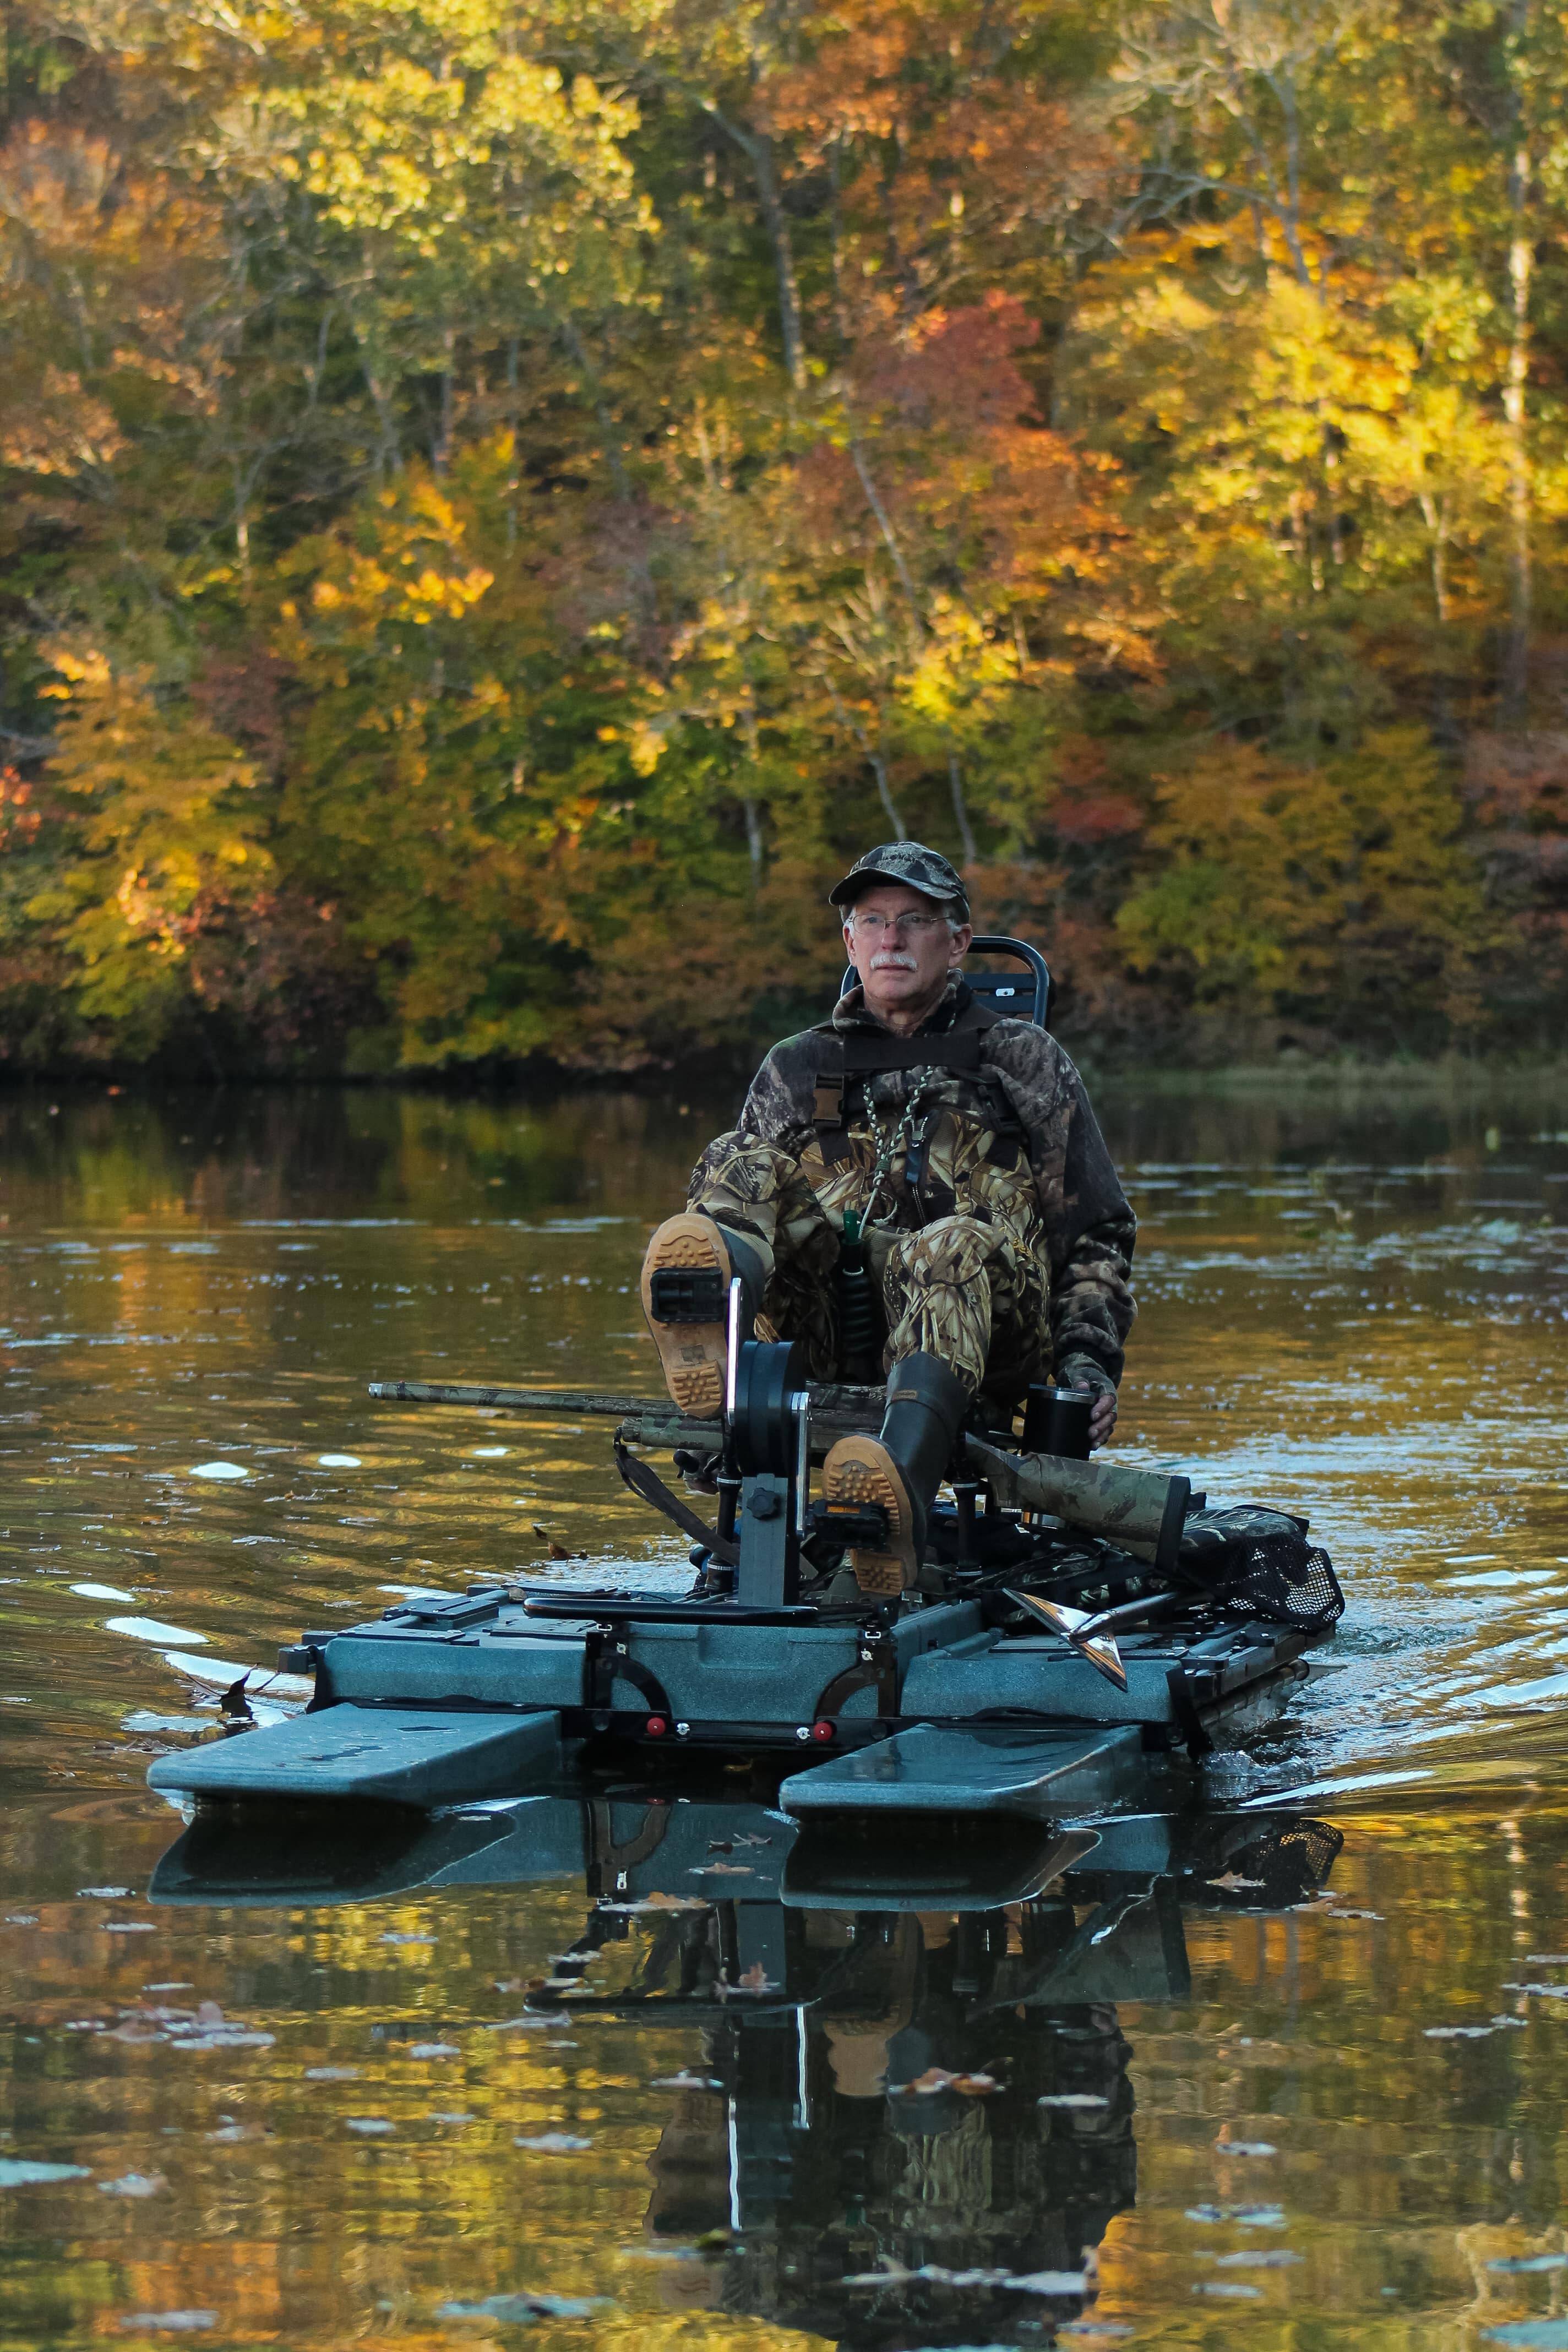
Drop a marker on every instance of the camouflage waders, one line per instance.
(970, 1287)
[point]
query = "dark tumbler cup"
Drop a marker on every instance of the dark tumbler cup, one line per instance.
(1056, 1421)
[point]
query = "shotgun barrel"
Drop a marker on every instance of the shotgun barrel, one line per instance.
(1142, 1511)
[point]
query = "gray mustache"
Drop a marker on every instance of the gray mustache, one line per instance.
(893, 963)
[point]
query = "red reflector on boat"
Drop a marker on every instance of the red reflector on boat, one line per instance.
(656, 1727)
(825, 1731)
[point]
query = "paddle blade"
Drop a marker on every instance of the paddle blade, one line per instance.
(1103, 1653)
(1057, 1615)
(1099, 1649)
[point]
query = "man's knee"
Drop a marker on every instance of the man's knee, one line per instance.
(739, 1169)
(951, 1249)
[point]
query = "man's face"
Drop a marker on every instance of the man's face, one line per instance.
(899, 944)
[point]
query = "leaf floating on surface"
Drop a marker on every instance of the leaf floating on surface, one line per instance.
(522, 2310)
(936, 2078)
(169, 2323)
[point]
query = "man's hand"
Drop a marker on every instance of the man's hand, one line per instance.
(1102, 1420)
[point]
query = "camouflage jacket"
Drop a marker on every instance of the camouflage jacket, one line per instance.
(1019, 1096)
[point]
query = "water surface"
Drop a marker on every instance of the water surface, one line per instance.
(295, 2111)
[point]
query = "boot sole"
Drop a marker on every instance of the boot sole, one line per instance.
(860, 1470)
(694, 1356)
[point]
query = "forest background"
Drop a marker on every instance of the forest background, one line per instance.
(504, 499)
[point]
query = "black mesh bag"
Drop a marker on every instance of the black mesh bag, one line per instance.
(1260, 1563)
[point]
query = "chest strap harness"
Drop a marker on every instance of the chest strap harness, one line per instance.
(848, 1053)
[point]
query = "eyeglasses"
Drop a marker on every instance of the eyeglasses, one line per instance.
(907, 926)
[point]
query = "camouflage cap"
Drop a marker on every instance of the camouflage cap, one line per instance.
(909, 862)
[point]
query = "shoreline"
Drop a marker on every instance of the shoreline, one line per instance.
(540, 1080)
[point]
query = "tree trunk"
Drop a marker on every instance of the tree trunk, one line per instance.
(754, 839)
(1436, 523)
(884, 790)
(1521, 268)
(443, 448)
(758, 149)
(889, 539)
(961, 810)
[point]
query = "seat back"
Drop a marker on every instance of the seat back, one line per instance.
(1019, 996)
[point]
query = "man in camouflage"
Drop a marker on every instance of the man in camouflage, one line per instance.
(997, 1236)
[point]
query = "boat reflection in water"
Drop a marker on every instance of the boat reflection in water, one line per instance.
(911, 2121)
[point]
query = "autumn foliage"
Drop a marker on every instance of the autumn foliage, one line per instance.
(504, 498)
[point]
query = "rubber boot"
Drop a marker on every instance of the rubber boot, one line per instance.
(901, 1468)
(686, 1278)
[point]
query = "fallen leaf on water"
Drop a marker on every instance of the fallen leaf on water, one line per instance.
(893, 2274)
(134, 2184)
(331, 2074)
(1247, 2216)
(229, 2037)
(1458, 2032)
(1232, 1879)
(435, 2049)
(555, 2144)
(1229, 2288)
(723, 1870)
(1245, 2147)
(169, 2323)
(658, 1903)
(234, 1702)
(936, 2078)
(556, 1550)
(517, 2310)
(1277, 2258)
